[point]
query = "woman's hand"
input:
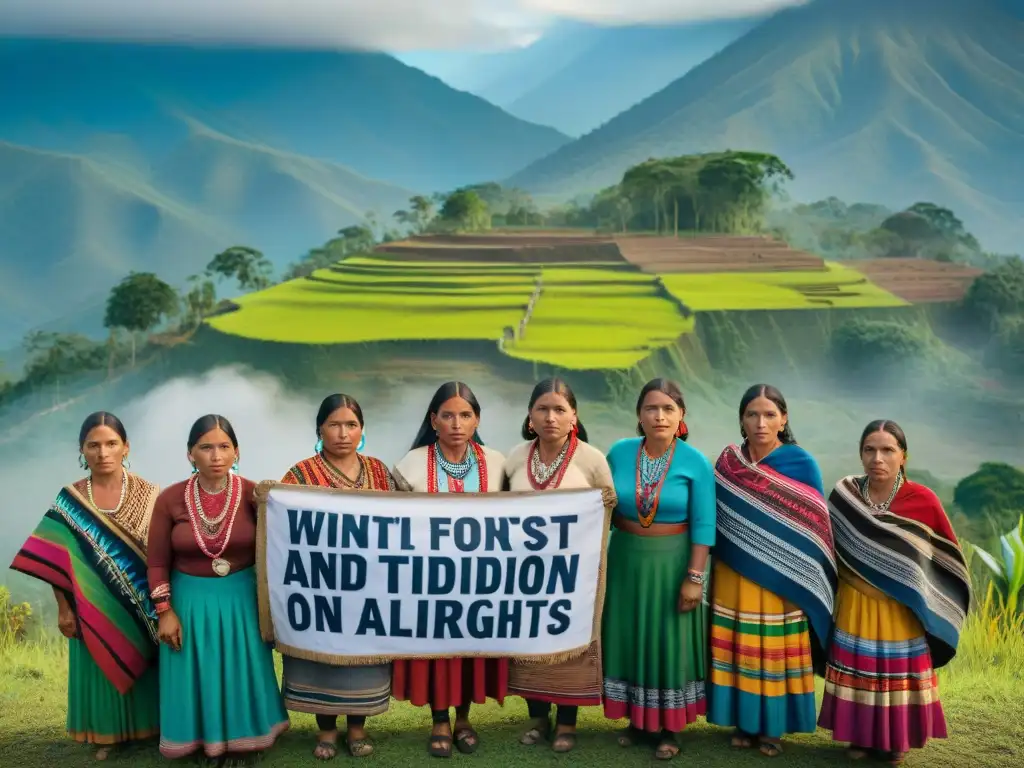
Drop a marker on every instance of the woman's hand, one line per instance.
(67, 622)
(169, 630)
(690, 595)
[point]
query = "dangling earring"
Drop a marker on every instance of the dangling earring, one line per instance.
(234, 467)
(362, 442)
(575, 430)
(126, 463)
(82, 462)
(319, 447)
(194, 468)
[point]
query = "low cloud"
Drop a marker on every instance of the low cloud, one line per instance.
(387, 25)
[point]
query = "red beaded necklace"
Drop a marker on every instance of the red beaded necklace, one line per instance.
(555, 480)
(645, 491)
(213, 532)
(455, 484)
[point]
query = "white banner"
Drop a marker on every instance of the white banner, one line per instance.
(351, 575)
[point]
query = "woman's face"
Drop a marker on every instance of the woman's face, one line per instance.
(104, 451)
(659, 416)
(455, 422)
(762, 422)
(882, 456)
(552, 417)
(214, 454)
(341, 433)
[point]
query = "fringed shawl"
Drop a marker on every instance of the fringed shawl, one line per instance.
(102, 569)
(906, 559)
(773, 528)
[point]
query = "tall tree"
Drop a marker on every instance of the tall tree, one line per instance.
(465, 211)
(248, 266)
(138, 303)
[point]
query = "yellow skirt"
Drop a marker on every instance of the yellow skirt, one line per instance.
(762, 676)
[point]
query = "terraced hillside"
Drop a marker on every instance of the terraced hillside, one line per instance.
(578, 301)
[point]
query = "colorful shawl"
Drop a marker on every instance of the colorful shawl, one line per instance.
(773, 528)
(316, 471)
(906, 560)
(102, 569)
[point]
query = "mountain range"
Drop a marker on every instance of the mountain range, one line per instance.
(116, 157)
(578, 76)
(888, 101)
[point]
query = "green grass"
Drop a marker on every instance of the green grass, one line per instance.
(838, 287)
(981, 690)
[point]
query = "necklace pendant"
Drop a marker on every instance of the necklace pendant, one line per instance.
(221, 566)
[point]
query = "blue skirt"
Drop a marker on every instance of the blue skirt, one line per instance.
(219, 693)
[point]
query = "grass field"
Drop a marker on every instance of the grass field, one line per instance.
(981, 691)
(594, 311)
(837, 287)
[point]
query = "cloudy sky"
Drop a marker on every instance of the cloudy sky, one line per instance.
(390, 25)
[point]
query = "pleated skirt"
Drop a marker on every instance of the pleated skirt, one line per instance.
(219, 693)
(98, 713)
(881, 691)
(654, 656)
(762, 675)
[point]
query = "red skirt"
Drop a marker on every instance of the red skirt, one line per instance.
(445, 683)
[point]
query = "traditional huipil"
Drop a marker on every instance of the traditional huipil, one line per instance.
(772, 592)
(654, 656)
(219, 693)
(904, 593)
(577, 681)
(326, 689)
(446, 683)
(97, 558)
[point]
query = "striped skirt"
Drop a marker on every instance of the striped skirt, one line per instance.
(762, 676)
(326, 689)
(880, 689)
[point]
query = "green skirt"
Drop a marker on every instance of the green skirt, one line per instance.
(655, 658)
(98, 713)
(219, 693)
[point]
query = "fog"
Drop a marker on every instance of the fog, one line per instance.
(276, 428)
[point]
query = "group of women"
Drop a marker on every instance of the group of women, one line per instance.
(728, 587)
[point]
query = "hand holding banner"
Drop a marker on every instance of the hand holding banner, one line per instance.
(351, 577)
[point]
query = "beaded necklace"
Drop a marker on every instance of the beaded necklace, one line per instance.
(650, 478)
(456, 483)
(883, 506)
(211, 536)
(342, 480)
(120, 501)
(543, 476)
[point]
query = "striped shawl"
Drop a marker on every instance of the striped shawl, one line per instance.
(906, 560)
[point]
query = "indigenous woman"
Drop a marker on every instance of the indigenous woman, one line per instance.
(904, 592)
(448, 456)
(323, 689)
(91, 548)
(556, 455)
(774, 580)
(655, 619)
(218, 689)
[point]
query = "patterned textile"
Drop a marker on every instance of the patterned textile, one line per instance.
(762, 678)
(881, 690)
(906, 559)
(325, 689)
(102, 569)
(774, 529)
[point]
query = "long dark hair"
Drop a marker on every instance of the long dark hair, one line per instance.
(445, 392)
(209, 422)
(332, 403)
(666, 387)
(101, 419)
(547, 387)
(771, 393)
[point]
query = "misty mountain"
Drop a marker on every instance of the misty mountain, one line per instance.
(369, 112)
(119, 157)
(892, 102)
(578, 76)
